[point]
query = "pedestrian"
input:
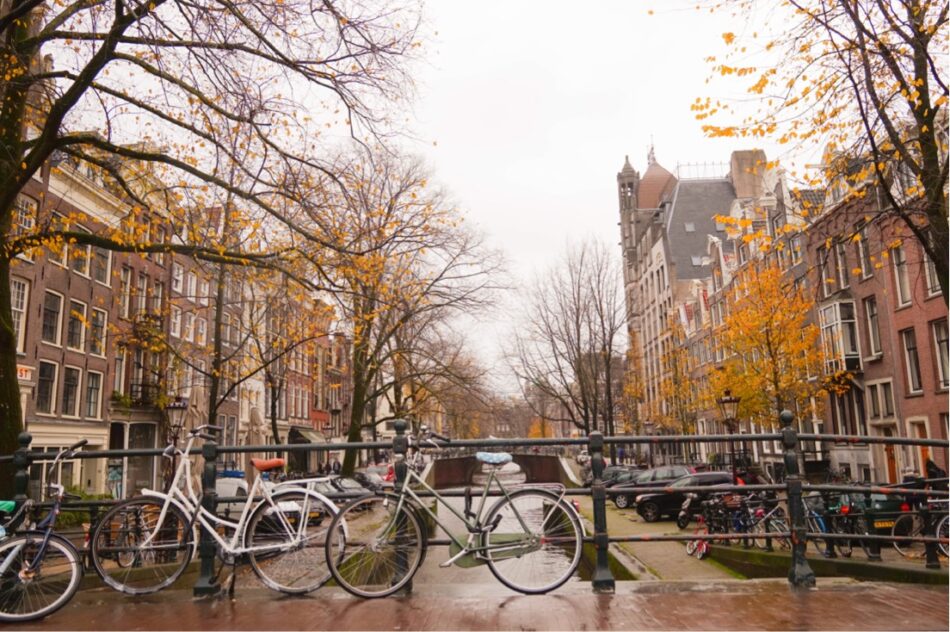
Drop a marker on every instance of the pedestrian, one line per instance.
(336, 466)
(622, 455)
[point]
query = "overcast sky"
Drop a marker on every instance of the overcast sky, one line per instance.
(526, 110)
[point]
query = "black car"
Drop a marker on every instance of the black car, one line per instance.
(654, 506)
(658, 476)
(614, 474)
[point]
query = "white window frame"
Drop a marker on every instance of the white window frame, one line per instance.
(82, 325)
(204, 292)
(191, 285)
(26, 210)
(59, 319)
(73, 414)
(108, 281)
(873, 327)
(98, 410)
(941, 357)
(19, 313)
(87, 257)
(58, 223)
(118, 379)
(201, 331)
(178, 278)
(188, 327)
(105, 332)
(933, 284)
(54, 389)
(902, 290)
(175, 321)
(908, 365)
(141, 292)
(125, 291)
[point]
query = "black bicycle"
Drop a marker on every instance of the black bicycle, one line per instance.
(39, 570)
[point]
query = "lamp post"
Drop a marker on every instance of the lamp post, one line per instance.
(728, 408)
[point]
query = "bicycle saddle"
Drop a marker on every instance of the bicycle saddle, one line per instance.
(493, 458)
(266, 465)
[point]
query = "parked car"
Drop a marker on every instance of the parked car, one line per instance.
(614, 474)
(656, 505)
(658, 476)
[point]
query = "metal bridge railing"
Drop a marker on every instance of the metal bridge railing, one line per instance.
(791, 490)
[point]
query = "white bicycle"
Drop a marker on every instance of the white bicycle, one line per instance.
(144, 544)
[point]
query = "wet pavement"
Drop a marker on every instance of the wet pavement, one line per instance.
(669, 605)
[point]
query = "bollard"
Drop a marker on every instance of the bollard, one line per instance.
(207, 584)
(401, 470)
(602, 579)
(21, 463)
(800, 575)
(928, 529)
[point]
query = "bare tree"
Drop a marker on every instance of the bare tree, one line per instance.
(567, 347)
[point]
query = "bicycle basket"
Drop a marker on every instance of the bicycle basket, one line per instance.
(814, 502)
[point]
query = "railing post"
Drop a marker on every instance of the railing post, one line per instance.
(928, 528)
(401, 471)
(800, 575)
(602, 579)
(207, 584)
(21, 463)
(874, 546)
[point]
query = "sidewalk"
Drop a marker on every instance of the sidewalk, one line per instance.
(660, 560)
(728, 605)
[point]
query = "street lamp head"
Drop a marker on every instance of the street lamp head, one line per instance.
(728, 405)
(176, 414)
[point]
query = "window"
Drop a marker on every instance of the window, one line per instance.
(901, 280)
(191, 285)
(80, 256)
(100, 265)
(93, 394)
(839, 336)
(204, 290)
(864, 252)
(19, 300)
(201, 332)
(933, 284)
(176, 321)
(911, 361)
(97, 332)
(880, 400)
(24, 218)
(45, 387)
(795, 244)
(941, 354)
(158, 293)
(874, 326)
(125, 291)
(844, 274)
(141, 293)
(70, 406)
(189, 328)
(76, 325)
(118, 384)
(57, 250)
(52, 307)
(823, 277)
(159, 257)
(226, 329)
(178, 275)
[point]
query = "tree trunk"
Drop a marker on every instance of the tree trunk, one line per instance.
(10, 412)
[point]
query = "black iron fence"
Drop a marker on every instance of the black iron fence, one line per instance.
(793, 491)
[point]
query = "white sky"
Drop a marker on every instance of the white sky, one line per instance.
(526, 109)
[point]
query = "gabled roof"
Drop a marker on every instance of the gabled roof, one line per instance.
(695, 202)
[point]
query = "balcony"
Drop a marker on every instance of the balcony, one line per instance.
(144, 394)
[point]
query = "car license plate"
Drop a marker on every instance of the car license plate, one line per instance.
(883, 524)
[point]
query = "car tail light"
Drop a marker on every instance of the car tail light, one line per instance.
(845, 510)
(905, 507)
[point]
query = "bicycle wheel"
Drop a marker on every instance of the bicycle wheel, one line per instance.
(758, 532)
(383, 547)
(908, 525)
(138, 551)
(535, 543)
(29, 592)
(942, 532)
(860, 527)
(781, 542)
(842, 525)
(287, 541)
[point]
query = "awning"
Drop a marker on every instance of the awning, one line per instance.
(299, 434)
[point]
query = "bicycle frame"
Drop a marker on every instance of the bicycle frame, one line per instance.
(190, 503)
(474, 526)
